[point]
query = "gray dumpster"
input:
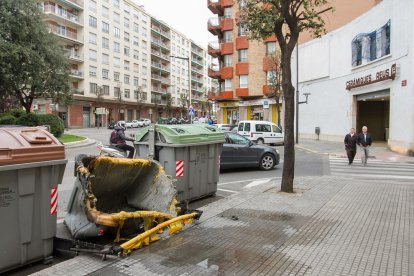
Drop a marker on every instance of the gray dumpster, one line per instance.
(32, 163)
(189, 153)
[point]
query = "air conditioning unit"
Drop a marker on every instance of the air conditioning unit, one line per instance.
(35, 107)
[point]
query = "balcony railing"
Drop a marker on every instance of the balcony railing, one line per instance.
(159, 78)
(73, 55)
(66, 15)
(160, 66)
(63, 32)
(200, 72)
(158, 89)
(76, 73)
(78, 92)
(158, 30)
(161, 55)
(160, 42)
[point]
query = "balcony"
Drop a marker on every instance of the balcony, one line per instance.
(224, 95)
(214, 73)
(160, 31)
(160, 55)
(271, 38)
(76, 74)
(269, 90)
(226, 72)
(196, 71)
(160, 66)
(215, 6)
(214, 49)
(227, 24)
(76, 4)
(227, 48)
(62, 16)
(64, 33)
(242, 43)
(226, 3)
(78, 92)
(242, 68)
(198, 62)
(73, 56)
(160, 43)
(213, 25)
(197, 52)
(197, 80)
(242, 92)
(268, 64)
(158, 90)
(160, 79)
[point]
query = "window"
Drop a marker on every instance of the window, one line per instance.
(371, 46)
(276, 129)
(136, 28)
(136, 14)
(227, 36)
(92, 55)
(243, 55)
(127, 93)
(243, 81)
(105, 90)
(92, 21)
(105, 11)
(271, 77)
(117, 32)
(116, 47)
(92, 38)
(116, 3)
(126, 51)
(144, 44)
(116, 76)
(117, 18)
(270, 48)
(144, 31)
(92, 71)
(126, 22)
(105, 59)
(105, 43)
(126, 64)
(136, 41)
(144, 83)
(227, 60)
(136, 82)
(263, 128)
(105, 74)
(242, 30)
(238, 139)
(93, 88)
(227, 85)
(144, 57)
(136, 54)
(117, 91)
(144, 70)
(144, 96)
(117, 62)
(92, 5)
(105, 27)
(227, 12)
(126, 37)
(136, 68)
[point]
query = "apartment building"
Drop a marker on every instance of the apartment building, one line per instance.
(121, 64)
(244, 68)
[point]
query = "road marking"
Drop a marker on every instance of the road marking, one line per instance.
(228, 191)
(376, 176)
(256, 183)
(247, 180)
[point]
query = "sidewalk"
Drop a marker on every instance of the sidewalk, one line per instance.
(379, 150)
(330, 226)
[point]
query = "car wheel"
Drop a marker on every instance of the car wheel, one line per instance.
(267, 162)
(260, 141)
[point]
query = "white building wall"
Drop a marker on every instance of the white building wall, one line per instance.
(325, 65)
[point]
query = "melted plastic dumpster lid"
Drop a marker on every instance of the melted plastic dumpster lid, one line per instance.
(28, 144)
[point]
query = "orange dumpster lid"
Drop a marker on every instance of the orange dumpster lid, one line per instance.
(28, 144)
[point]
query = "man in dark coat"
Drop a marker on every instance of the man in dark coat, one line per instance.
(364, 142)
(120, 139)
(350, 142)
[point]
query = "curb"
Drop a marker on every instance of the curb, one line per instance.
(77, 144)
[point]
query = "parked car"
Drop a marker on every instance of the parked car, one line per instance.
(147, 122)
(128, 124)
(225, 127)
(143, 122)
(135, 123)
(240, 152)
(261, 132)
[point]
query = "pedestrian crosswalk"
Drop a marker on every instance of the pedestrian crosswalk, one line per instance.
(375, 169)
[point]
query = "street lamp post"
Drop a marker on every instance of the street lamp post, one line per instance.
(188, 59)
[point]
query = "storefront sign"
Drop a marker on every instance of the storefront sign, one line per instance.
(258, 102)
(266, 104)
(387, 74)
(229, 104)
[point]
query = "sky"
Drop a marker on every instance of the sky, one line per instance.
(189, 17)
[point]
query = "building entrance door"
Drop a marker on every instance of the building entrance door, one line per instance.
(373, 111)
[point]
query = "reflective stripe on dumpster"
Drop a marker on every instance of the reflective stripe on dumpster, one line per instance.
(53, 200)
(179, 168)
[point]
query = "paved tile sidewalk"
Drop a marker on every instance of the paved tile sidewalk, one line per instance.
(331, 226)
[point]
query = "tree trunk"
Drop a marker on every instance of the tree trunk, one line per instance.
(289, 153)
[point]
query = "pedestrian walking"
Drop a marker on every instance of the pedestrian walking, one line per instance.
(364, 142)
(350, 142)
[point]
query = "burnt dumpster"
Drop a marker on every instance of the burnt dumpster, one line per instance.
(32, 163)
(189, 153)
(128, 199)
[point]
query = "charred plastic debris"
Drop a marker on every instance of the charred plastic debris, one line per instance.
(132, 201)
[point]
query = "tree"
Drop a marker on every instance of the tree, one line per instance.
(168, 104)
(274, 82)
(285, 19)
(183, 103)
(32, 62)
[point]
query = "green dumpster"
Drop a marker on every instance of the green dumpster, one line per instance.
(189, 153)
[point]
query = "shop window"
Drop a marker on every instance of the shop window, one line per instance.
(371, 46)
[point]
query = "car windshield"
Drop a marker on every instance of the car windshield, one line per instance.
(237, 139)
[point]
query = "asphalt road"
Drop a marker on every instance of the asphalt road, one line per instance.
(231, 181)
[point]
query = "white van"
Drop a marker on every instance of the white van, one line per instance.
(261, 132)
